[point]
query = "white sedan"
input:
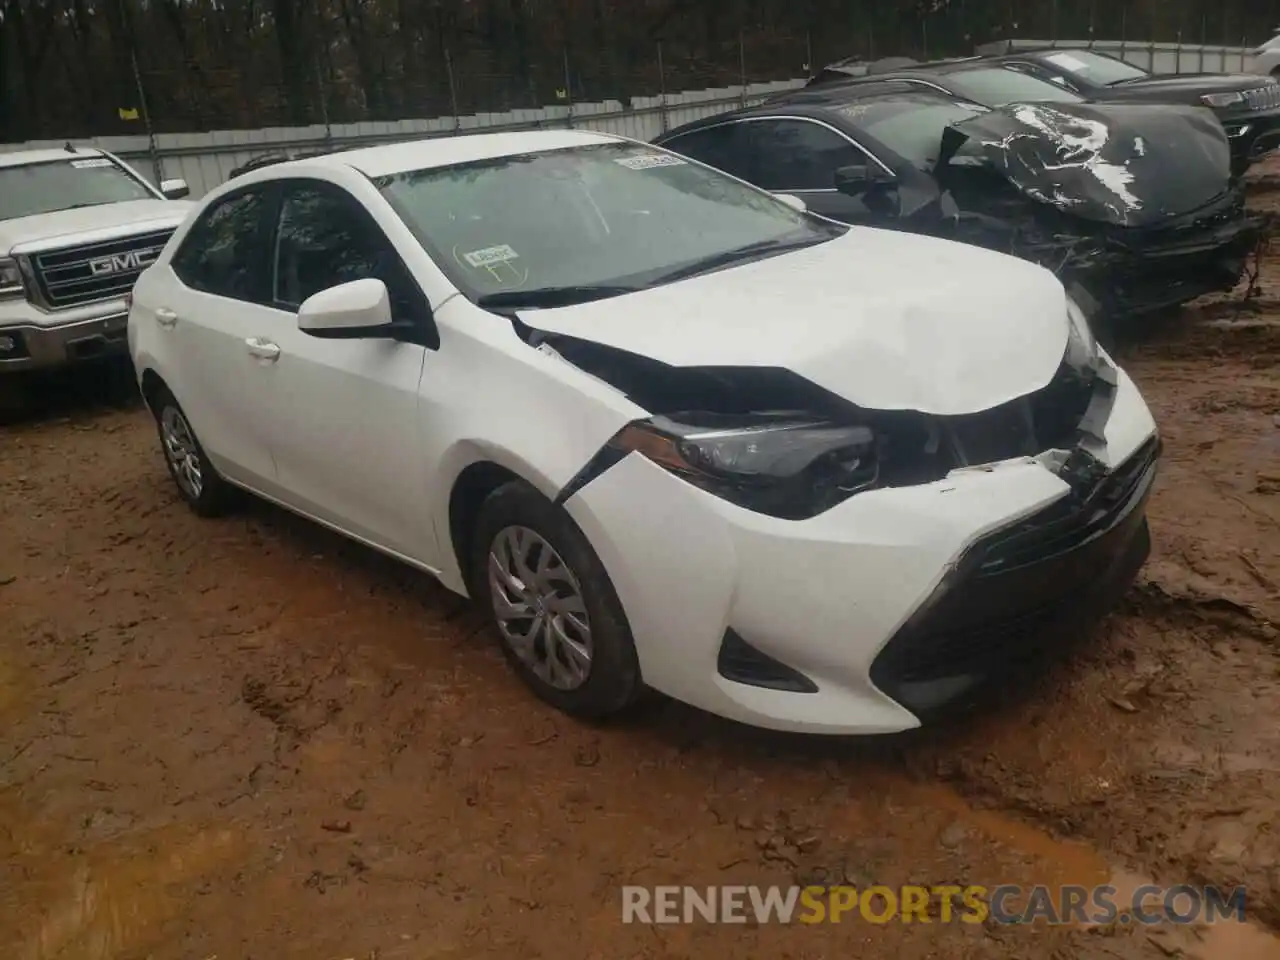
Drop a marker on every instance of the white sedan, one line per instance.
(672, 432)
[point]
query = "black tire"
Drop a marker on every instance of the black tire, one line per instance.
(214, 494)
(613, 681)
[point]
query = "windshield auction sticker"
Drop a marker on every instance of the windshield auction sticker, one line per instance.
(650, 160)
(490, 255)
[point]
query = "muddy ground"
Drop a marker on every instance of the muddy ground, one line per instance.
(246, 738)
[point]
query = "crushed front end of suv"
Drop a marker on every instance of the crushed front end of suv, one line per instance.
(1133, 206)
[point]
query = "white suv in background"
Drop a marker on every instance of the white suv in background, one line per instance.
(77, 227)
(1266, 58)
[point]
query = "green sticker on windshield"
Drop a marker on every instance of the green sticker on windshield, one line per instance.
(490, 255)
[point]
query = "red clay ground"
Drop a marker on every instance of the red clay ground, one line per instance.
(247, 738)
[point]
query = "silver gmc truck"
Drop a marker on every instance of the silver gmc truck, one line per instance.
(77, 226)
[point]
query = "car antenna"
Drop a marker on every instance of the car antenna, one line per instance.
(68, 147)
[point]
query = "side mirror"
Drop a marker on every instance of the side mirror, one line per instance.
(357, 310)
(174, 189)
(792, 201)
(859, 178)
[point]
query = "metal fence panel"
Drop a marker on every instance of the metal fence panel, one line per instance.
(205, 160)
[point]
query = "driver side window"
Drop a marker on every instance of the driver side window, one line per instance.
(799, 155)
(325, 238)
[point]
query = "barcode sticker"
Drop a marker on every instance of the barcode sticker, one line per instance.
(649, 161)
(489, 255)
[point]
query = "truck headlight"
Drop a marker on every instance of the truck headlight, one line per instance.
(10, 280)
(1221, 99)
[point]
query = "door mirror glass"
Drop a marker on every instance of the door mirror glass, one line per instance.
(174, 189)
(792, 201)
(857, 179)
(359, 309)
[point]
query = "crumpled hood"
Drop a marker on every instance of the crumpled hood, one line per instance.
(886, 320)
(1127, 164)
(68, 223)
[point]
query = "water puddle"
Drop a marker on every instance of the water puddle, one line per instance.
(118, 898)
(1065, 862)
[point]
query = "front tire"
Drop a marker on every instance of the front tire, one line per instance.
(548, 597)
(198, 483)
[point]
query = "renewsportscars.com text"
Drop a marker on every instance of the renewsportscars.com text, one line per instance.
(1007, 903)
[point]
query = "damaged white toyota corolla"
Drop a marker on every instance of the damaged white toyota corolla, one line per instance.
(670, 431)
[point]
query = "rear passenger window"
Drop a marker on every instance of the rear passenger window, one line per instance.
(718, 147)
(223, 252)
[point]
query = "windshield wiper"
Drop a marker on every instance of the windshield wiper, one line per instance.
(554, 296)
(751, 251)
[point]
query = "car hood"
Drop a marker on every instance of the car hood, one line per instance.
(1126, 164)
(129, 214)
(886, 320)
(1190, 85)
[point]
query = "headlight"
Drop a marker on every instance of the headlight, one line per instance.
(783, 464)
(1082, 346)
(1221, 99)
(10, 279)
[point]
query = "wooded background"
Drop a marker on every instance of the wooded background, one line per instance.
(70, 67)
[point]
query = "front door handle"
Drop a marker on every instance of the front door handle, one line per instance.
(262, 349)
(166, 317)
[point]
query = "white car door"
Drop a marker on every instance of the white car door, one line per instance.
(205, 312)
(343, 415)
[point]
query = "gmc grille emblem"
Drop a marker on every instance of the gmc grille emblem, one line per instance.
(123, 262)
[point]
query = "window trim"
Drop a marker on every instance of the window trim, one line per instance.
(271, 195)
(284, 187)
(785, 116)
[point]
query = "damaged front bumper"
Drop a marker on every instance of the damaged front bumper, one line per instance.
(1147, 271)
(875, 612)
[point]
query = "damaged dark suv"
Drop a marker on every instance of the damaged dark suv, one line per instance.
(1133, 206)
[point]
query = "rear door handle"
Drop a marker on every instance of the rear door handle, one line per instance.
(262, 349)
(166, 317)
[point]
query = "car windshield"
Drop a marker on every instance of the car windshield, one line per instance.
(36, 188)
(1094, 67)
(910, 128)
(606, 216)
(996, 86)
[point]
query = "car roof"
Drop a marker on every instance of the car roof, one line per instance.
(20, 158)
(392, 158)
(817, 102)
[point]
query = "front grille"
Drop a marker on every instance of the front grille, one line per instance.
(1263, 98)
(1020, 591)
(96, 271)
(917, 448)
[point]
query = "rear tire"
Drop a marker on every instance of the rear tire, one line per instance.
(198, 483)
(552, 605)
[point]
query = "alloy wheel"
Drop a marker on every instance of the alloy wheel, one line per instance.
(539, 607)
(181, 451)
